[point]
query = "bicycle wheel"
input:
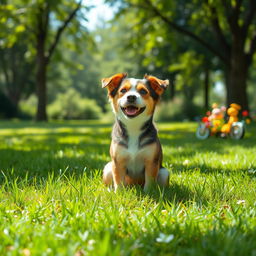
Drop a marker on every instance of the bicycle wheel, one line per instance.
(202, 132)
(237, 131)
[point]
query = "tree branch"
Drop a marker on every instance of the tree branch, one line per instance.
(188, 33)
(252, 49)
(61, 29)
(218, 31)
(46, 17)
(234, 16)
(237, 10)
(250, 16)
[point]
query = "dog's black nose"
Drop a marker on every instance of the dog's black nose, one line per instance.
(131, 98)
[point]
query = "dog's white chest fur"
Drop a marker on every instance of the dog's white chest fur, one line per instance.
(135, 161)
(134, 154)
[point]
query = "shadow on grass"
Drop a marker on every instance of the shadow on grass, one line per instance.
(187, 140)
(184, 145)
(37, 155)
(53, 124)
(174, 193)
(222, 239)
(39, 164)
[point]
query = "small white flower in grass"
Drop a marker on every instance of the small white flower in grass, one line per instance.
(144, 229)
(26, 252)
(164, 212)
(49, 250)
(84, 235)
(61, 236)
(240, 202)
(186, 162)
(224, 162)
(91, 244)
(164, 238)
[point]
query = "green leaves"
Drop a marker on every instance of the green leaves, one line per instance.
(20, 29)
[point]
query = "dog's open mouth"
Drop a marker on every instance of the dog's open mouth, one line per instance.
(132, 111)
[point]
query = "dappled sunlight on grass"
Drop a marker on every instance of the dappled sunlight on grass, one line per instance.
(182, 151)
(89, 142)
(39, 150)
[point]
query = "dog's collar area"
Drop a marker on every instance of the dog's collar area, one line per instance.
(132, 111)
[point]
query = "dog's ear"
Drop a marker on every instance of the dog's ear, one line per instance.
(157, 84)
(113, 82)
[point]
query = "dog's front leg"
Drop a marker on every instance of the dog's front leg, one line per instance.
(151, 173)
(119, 172)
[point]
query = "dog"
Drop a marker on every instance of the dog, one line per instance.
(135, 149)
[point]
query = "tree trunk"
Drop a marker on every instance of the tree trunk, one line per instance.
(43, 57)
(236, 79)
(14, 99)
(41, 80)
(41, 91)
(227, 84)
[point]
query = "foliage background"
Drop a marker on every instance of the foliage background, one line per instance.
(128, 41)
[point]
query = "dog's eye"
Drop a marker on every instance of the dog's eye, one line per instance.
(143, 92)
(123, 90)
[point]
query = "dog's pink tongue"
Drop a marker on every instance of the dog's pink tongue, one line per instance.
(131, 111)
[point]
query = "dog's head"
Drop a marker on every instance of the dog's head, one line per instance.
(132, 97)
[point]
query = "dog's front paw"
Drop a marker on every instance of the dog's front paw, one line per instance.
(149, 186)
(119, 188)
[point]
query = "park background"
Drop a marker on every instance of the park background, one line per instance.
(55, 53)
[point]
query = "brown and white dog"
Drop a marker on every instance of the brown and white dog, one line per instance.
(135, 148)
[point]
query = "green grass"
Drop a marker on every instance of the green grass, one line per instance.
(53, 202)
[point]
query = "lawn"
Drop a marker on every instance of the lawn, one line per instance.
(53, 202)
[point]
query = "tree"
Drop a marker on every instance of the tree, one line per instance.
(44, 23)
(16, 66)
(158, 50)
(17, 70)
(42, 13)
(224, 28)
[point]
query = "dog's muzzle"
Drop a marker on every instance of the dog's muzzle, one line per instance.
(132, 110)
(131, 98)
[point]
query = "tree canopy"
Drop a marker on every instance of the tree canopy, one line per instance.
(226, 29)
(46, 49)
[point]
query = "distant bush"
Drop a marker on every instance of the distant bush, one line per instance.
(7, 110)
(177, 110)
(192, 111)
(28, 107)
(169, 111)
(70, 105)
